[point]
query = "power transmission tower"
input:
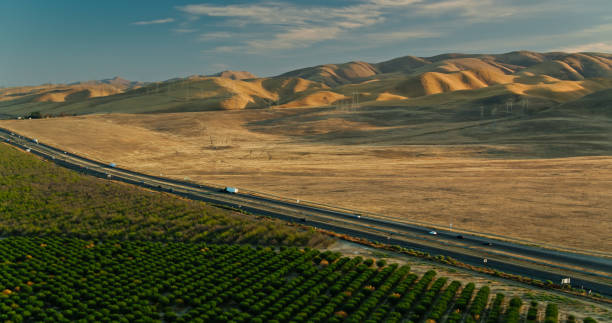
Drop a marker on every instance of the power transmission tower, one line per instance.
(355, 100)
(187, 86)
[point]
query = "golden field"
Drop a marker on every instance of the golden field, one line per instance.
(493, 187)
(517, 144)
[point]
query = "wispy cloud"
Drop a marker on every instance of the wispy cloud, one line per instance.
(292, 26)
(294, 38)
(263, 27)
(184, 30)
(154, 22)
(538, 42)
(215, 35)
(601, 47)
(603, 28)
(472, 11)
(401, 35)
(223, 49)
(284, 14)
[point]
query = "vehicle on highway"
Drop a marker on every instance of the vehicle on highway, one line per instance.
(433, 232)
(229, 189)
(459, 237)
(487, 243)
(113, 165)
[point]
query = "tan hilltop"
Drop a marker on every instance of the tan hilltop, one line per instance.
(554, 77)
(236, 75)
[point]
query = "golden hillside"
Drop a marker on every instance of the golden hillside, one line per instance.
(406, 81)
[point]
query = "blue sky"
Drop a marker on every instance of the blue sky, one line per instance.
(64, 41)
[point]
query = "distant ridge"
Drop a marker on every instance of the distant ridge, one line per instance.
(115, 81)
(235, 75)
(447, 79)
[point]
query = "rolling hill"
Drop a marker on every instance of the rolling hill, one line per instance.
(556, 78)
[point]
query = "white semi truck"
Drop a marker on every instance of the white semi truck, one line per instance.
(229, 189)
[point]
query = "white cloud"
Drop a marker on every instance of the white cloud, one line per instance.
(293, 38)
(394, 3)
(284, 14)
(223, 49)
(604, 28)
(184, 30)
(472, 11)
(588, 39)
(601, 47)
(215, 35)
(401, 35)
(256, 13)
(154, 22)
(289, 26)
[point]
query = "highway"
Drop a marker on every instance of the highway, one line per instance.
(590, 272)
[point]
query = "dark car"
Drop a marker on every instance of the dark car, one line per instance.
(459, 237)
(486, 243)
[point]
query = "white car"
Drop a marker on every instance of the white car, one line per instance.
(432, 232)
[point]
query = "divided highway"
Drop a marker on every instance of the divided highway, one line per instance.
(593, 272)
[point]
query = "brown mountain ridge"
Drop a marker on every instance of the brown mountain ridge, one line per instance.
(555, 77)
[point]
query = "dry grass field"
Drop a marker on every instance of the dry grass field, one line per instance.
(476, 174)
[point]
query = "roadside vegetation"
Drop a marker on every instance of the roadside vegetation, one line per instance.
(40, 198)
(61, 279)
(75, 248)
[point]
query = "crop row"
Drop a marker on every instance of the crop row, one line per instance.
(61, 279)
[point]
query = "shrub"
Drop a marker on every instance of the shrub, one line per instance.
(495, 311)
(552, 313)
(532, 313)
